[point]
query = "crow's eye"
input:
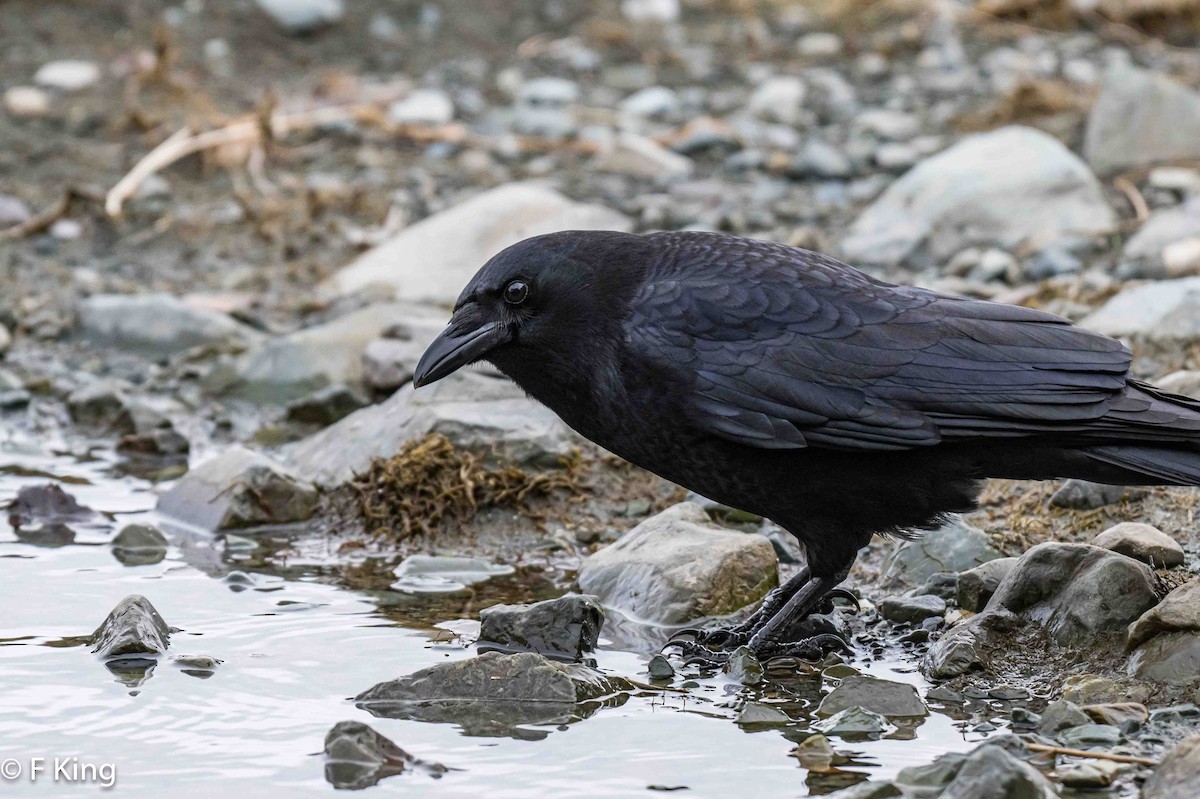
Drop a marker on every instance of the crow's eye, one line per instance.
(516, 292)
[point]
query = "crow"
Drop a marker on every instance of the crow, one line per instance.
(785, 383)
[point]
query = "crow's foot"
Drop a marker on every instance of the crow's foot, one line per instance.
(727, 639)
(813, 648)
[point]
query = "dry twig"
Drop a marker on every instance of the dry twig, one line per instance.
(1062, 750)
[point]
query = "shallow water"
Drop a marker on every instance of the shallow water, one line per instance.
(293, 652)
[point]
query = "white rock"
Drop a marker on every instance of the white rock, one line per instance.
(885, 124)
(1141, 118)
(66, 229)
(67, 75)
(819, 45)
(156, 325)
(545, 107)
(5, 339)
(303, 16)
(1164, 227)
(26, 101)
(1007, 187)
(779, 99)
(639, 156)
(651, 102)
(1182, 257)
(1166, 311)
(432, 260)
(650, 10)
(422, 107)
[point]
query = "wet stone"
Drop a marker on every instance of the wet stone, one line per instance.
(757, 713)
(566, 627)
(976, 586)
(133, 627)
(46, 504)
(945, 695)
(139, 545)
(1087, 736)
(887, 698)
(912, 610)
(1089, 776)
(357, 757)
(1024, 718)
(659, 668)
(854, 722)
(326, 406)
(743, 667)
(441, 574)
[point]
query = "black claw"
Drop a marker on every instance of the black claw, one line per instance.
(841, 593)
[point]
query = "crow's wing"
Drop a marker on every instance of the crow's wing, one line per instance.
(786, 348)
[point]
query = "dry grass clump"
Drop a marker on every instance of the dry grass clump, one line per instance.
(1027, 102)
(1162, 18)
(431, 483)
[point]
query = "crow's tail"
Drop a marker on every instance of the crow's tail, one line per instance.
(1153, 438)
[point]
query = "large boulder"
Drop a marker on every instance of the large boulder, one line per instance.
(432, 260)
(470, 409)
(1007, 187)
(156, 325)
(239, 488)
(679, 566)
(1165, 640)
(1141, 118)
(1177, 776)
(1165, 311)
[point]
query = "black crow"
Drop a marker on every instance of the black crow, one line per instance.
(785, 383)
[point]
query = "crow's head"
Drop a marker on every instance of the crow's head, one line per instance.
(544, 301)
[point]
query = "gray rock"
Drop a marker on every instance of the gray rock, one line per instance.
(1060, 715)
(389, 363)
(679, 566)
(867, 790)
(545, 107)
(1087, 736)
(239, 488)
(1082, 495)
(299, 17)
(1088, 776)
(139, 545)
(13, 210)
(651, 102)
(1166, 639)
(133, 627)
(291, 366)
(779, 99)
(358, 757)
(742, 665)
(641, 157)
(1141, 118)
(1117, 714)
(422, 107)
(1165, 227)
(495, 694)
(566, 627)
(854, 722)
(887, 698)
(1178, 774)
(888, 125)
(660, 668)
(990, 772)
(157, 325)
(939, 584)
(976, 586)
(820, 159)
(67, 75)
(1186, 382)
(1166, 311)
(1008, 187)
(46, 504)
(757, 713)
(912, 609)
(432, 260)
(102, 407)
(954, 547)
(326, 406)
(1142, 542)
(471, 410)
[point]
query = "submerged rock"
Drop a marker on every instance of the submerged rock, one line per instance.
(494, 694)
(565, 627)
(887, 698)
(139, 545)
(133, 627)
(1178, 774)
(357, 757)
(976, 586)
(432, 260)
(474, 411)
(1142, 542)
(954, 547)
(1007, 187)
(679, 566)
(854, 722)
(239, 488)
(157, 325)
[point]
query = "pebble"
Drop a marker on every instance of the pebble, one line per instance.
(778, 99)
(912, 609)
(5, 339)
(652, 102)
(660, 668)
(26, 101)
(70, 75)
(422, 107)
(660, 11)
(66, 229)
(300, 17)
(743, 667)
(819, 45)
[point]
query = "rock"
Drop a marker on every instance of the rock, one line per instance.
(1090, 689)
(1142, 542)
(815, 753)
(887, 125)
(326, 406)
(67, 75)
(652, 102)
(157, 325)
(46, 504)
(495, 694)
(779, 99)
(1007, 187)
(565, 627)
(133, 627)
(388, 363)
(976, 586)
(940, 584)
(13, 211)
(819, 44)
(1117, 714)
(659, 668)
(912, 609)
(102, 407)
(1185, 382)
(432, 260)
(742, 665)
(1087, 736)
(5, 340)
(887, 698)
(652, 11)
(1166, 311)
(300, 17)
(965, 646)
(1082, 495)
(990, 772)
(544, 108)
(291, 366)
(26, 101)
(480, 413)
(1141, 118)
(1088, 775)
(422, 107)
(822, 160)
(239, 488)
(756, 713)
(954, 547)
(440, 574)
(854, 722)
(1177, 775)
(1164, 228)
(139, 545)
(679, 566)
(1060, 715)
(638, 156)
(867, 790)
(1166, 639)
(66, 230)
(358, 757)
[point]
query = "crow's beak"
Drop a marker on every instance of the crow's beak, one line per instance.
(455, 348)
